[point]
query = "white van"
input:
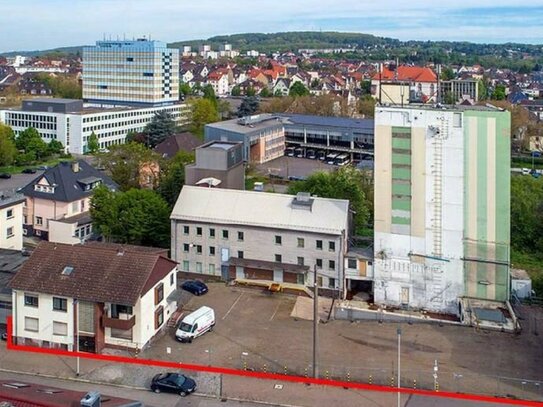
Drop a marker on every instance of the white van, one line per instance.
(195, 324)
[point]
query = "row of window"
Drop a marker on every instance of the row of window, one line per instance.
(59, 304)
(32, 117)
(241, 237)
(126, 114)
(33, 325)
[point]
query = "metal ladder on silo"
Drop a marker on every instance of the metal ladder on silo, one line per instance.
(437, 218)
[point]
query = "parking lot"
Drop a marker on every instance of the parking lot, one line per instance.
(254, 330)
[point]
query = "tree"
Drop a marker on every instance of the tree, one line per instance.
(209, 94)
(159, 128)
(125, 162)
(93, 145)
(483, 90)
(236, 91)
(8, 150)
(250, 91)
(172, 177)
(265, 93)
(498, 93)
(346, 183)
(248, 107)
(55, 147)
(137, 216)
(30, 141)
(224, 109)
(365, 85)
(447, 74)
(203, 112)
(278, 93)
(366, 106)
(185, 89)
(298, 89)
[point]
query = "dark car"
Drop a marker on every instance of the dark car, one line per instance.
(195, 287)
(5, 175)
(29, 171)
(173, 383)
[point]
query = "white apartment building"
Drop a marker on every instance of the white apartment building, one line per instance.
(69, 122)
(11, 221)
(261, 236)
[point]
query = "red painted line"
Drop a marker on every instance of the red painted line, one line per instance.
(261, 375)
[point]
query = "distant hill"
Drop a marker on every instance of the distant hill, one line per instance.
(60, 51)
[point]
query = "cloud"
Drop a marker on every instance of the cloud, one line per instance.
(41, 24)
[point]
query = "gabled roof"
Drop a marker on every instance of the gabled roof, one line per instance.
(178, 142)
(69, 185)
(407, 73)
(101, 272)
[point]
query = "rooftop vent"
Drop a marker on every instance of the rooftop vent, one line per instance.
(68, 270)
(302, 200)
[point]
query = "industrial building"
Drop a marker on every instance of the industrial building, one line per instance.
(442, 208)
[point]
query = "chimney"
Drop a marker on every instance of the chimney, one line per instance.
(75, 166)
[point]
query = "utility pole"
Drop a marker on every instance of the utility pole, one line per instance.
(76, 302)
(399, 331)
(315, 321)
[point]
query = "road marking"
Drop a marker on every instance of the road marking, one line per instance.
(233, 305)
(275, 312)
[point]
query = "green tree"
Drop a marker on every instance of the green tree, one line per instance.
(482, 89)
(366, 87)
(448, 98)
(203, 112)
(125, 162)
(172, 177)
(298, 89)
(447, 74)
(93, 145)
(185, 89)
(366, 106)
(278, 93)
(265, 93)
(248, 107)
(498, 93)
(209, 94)
(250, 91)
(346, 183)
(161, 126)
(30, 141)
(137, 216)
(224, 109)
(8, 150)
(236, 91)
(55, 147)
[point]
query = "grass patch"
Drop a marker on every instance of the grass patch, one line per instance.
(533, 264)
(17, 169)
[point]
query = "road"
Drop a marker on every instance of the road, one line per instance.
(148, 398)
(18, 181)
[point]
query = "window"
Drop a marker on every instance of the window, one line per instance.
(159, 317)
(39, 220)
(212, 250)
(301, 242)
(32, 324)
(198, 231)
(9, 232)
(121, 334)
(172, 279)
(31, 300)
(186, 230)
(319, 244)
(159, 293)
(278, 239)
(319, 263)
(278, 258)
(199, 267)
(240, 236)
(198, 249)
(60, 328)
(212, 233)
(332, 282)
(240, 254)
(186, 247)
(225, 234)
(351, 263)
(331, 264)
(211, 269)
(60, 304)
(185, 265)
(82, 205)
(332, 246)
(300, 261)
(9, 213)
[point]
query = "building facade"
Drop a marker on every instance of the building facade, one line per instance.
(261, 236)
(69, 122)
(442, 220)
(140, 72)
(54, 305)
(11, 221)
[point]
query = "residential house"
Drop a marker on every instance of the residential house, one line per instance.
(219, 82)
(403, 84)
(11, 220)
(108, 296)
(186, 142)
(58, 201)
(281, 87)
(247, 235)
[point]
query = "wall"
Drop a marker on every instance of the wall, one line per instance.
(62, 232)
(14, 242)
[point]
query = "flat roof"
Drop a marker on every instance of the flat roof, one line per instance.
(483, 108)
(58, 101)
(222, 145)
(234, 125)
(327, 121)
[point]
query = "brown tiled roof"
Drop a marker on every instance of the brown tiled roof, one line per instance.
(183, 141)
(127, 248)
(100, 272)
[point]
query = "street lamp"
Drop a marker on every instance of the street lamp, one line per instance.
(399, 332)
(76, 310)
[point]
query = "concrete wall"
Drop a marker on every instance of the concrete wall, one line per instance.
(15, 241)
(231, 179)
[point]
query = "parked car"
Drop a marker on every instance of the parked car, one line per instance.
(5, 175)
(29, 171)
(525, 171)
(43, 167)
(173, 383)
(195, 287)
(195, 324)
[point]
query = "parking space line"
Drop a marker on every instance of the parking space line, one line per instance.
(233, 305)
(275, 312)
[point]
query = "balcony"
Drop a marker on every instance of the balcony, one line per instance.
(124, 322)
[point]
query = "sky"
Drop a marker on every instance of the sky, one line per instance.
(44, 24)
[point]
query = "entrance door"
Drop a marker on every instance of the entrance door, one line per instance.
(278, 276)
(240, 273)
(404, 296)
